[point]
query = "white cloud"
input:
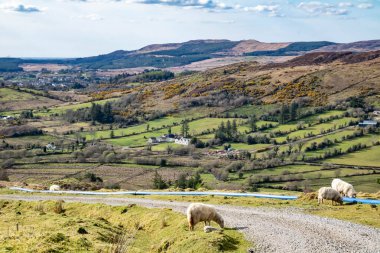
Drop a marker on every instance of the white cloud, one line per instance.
(202, 4)
(365, 6)
(271, 10)
(20, 8)
(345, 4)
(318, 8)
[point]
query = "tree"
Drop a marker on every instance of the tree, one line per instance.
(3, 175)
(185, 128)
(234, 127)
(158, 182)
(181, 181)
(283, 117)
(252, 123)
(26, 114)
(96, 112)
(107, 113)
(293, 111)
(300, 145)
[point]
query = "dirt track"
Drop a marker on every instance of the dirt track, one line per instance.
(271, 230)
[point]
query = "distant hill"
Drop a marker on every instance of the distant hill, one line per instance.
(181, 54)
(360, 46)
(318, 77)
(10, 64)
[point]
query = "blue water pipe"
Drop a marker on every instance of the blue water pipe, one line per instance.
(227, 194)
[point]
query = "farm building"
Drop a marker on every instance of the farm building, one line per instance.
(367, 123)
(152, 140)
(163, 138)
(182, 141)
(50, 146)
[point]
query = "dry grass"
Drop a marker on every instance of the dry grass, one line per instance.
(109, 229)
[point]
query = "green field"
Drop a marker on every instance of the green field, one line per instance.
(63, 108)
(345, 145)
(257, 110)
(366, 157)
(316, 129)
(7, 95)
(196, 127)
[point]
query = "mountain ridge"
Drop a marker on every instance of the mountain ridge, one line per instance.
(182, 54)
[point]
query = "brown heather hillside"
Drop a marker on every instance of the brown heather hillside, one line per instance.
(359, 46)
(323, 77)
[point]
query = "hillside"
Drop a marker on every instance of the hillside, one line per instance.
(322, 77)
(13, 99)
(289, 126)
(360, 46)
(196, 51)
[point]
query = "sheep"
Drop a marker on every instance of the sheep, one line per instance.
(344, 188)
(54, 187)
(198, 212)
(329, 194)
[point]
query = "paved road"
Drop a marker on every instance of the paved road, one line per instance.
(271, 230)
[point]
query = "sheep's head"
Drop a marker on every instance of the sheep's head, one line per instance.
(219, 220)
(351, 193)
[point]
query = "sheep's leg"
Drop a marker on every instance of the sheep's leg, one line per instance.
(205, 223)
(191, 226)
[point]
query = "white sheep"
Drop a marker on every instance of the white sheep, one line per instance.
(54, 187)
(329, 193)
(198, 212)
(344, 188)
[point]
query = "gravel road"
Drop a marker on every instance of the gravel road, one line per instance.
(271, 230)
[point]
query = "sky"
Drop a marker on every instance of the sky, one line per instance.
(77, 28)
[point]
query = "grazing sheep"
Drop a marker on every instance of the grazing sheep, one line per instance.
(344, 188)
(198, 212)
(54, 187)
(329, 194)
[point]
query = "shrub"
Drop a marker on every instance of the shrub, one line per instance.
(39, 208)
(58, 207)
(82, 231)
(56, 238)
(7, 164)
(112, 186)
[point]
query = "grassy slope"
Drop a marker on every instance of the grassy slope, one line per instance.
(140, 229)
(367, 157)
(19, 100)
(196, 127)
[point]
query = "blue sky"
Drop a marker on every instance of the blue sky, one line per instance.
(71, 28)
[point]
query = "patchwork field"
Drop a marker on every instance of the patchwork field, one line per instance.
(11, 99)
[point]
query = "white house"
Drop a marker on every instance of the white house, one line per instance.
(152, 140)
(182, 141)
(50, 146)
